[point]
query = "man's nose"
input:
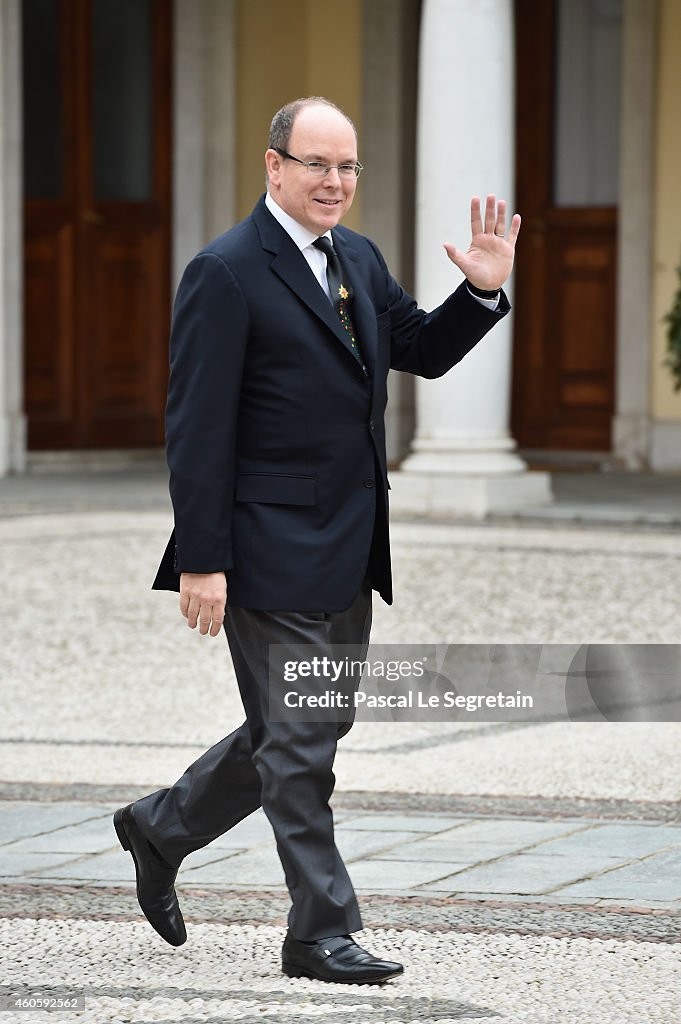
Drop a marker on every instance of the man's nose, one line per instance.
(332, 177)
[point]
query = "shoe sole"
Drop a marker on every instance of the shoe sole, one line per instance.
(119, 825)
(293, 971)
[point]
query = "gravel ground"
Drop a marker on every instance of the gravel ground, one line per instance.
(105, 675)
(105, 686)
(231, 973)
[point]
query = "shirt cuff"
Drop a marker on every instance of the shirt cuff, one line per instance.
(492, 304)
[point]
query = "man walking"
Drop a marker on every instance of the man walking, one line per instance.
(284, 330)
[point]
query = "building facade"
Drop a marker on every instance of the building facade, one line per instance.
(132, 133)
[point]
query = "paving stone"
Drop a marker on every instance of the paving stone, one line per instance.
(400, 823)
(248, 832)
(115, 866)
(662, 865)
(397, 874)
(44, 884)
(625, 842)
(633, 891)
(668, 835)
(208, 854)
(20, 818)
(353, 844)
(439, 850)
(506, 834)
(254, 868)
(526, 874)
(655, 878)
(16, 865)
(91, 836)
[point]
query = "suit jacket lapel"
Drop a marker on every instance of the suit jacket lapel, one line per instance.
(291, 266)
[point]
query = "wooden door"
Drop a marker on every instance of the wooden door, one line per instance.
(96, 220)
(566, 185)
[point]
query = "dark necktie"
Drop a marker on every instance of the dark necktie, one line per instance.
(341, 293)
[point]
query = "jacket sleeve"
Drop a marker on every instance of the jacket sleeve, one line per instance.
(207, 351)
(429, 344)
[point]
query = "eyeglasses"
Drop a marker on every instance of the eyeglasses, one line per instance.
(320, 170)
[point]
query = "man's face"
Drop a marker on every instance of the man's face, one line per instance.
(319, 133)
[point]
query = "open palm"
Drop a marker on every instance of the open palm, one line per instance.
(489, 259)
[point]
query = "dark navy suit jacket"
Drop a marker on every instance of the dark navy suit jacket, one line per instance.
(275, 435)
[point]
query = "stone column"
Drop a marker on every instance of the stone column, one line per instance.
(463, 458)
(204, 179)
(631, 426)
(388, 151)
(12, 419)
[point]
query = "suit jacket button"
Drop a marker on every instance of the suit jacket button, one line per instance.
(371, 424)
(368, 483)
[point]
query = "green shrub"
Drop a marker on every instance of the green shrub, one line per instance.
(673, 319)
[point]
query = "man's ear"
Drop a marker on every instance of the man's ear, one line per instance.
(273, 164)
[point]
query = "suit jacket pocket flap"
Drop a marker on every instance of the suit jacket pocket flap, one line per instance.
(277, 489)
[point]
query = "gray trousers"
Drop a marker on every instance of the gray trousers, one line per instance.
(285, 767)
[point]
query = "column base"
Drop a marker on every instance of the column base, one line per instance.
(422, 493)
(12, 443)
(631, 439)
(665, 446)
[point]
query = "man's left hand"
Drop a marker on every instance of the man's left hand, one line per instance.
(489, 259)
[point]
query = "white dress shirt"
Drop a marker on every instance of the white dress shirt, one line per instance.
(303, 239)
(315, 257)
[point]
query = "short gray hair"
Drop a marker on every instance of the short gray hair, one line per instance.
(284, 119)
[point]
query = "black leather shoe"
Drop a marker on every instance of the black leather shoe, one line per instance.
(155, 880)
(335, 959)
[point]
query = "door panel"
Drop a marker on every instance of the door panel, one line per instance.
(564, 340)
(96, 338)
(122, 362)
(49, 317)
